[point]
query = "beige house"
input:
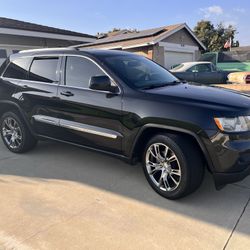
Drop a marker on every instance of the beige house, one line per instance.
(169, 45)
(18, 35)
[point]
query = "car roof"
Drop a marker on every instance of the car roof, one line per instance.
(195, 63)
(68, 50)
(187, 65)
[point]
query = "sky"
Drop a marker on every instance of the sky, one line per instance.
(94, 16)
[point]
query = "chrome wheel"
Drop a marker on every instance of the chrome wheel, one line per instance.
(12, 133)
(163, 167)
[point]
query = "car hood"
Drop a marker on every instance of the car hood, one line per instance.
(203, 95)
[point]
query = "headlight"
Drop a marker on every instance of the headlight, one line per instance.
(236, 124)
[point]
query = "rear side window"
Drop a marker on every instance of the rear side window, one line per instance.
(79, 71)
(3, 66)
(3, 54)
(44, 70)
(17, 69)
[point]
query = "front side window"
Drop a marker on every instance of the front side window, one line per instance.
(138, 71)
(44, 70)
(203, 67)
(18, 69)
(79, 71)
(192, 69)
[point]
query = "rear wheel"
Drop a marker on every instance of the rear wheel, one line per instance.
(173, 166)
(15, 134)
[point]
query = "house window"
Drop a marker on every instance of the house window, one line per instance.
(3, 53)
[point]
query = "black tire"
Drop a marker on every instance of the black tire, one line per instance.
(27, 141)
(189, 166)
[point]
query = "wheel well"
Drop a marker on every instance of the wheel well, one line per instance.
(148, 133)
(6, 107)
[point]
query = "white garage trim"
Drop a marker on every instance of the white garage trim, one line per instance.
(184, 25)
(18, 46)
(178, 47)
(170, 49)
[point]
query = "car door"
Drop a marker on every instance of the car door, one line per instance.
(204, 74)
(37, 94)
(88, 117)
(188, 76)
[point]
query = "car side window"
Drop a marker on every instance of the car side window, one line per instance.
(79, 71)
(203, 67)
(44, 70)
(3, 54)
(18, 69)
(213, 68)
(192, 69)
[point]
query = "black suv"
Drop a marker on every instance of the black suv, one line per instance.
(130, 107)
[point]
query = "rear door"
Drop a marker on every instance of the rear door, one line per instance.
(88, 117)
(38, 94)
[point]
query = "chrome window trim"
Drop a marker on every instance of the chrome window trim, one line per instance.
(88, 89)
(65, 55)
(103, 70)
(77, 126)
(46, 83)
(16, 79)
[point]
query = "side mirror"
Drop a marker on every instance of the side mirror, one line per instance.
(102, 83)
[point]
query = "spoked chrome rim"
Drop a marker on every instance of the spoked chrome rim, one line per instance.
(12, 133)
(163, 167)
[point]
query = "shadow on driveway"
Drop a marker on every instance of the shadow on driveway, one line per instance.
(63, 162)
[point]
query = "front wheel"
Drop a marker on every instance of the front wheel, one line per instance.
(173, 166)
(15, 133)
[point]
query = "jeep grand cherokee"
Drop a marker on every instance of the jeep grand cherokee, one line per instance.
(129, 107)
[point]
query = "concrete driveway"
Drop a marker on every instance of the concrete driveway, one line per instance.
(62, 197)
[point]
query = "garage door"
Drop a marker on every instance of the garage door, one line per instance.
(173, 58)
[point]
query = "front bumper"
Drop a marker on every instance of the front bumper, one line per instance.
(222, 179)
(230, 156)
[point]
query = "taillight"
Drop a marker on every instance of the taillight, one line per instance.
(248, 79)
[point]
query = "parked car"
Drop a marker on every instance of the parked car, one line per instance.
(129, 107)
(200, 72)
(239, 77)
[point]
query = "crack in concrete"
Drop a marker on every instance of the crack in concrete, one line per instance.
(237, 222)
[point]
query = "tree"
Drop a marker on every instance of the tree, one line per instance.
(214, 37)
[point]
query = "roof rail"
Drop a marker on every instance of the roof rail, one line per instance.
(50, 49)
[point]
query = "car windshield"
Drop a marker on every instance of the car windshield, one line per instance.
(139, 72)
(177, 67)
